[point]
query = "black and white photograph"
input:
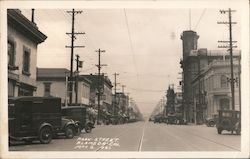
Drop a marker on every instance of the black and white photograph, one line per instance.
(124, 79)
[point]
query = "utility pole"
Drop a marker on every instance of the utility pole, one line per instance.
(114, 107)
(78, 65)
(99, 66)
(73, 37)
(232, 80)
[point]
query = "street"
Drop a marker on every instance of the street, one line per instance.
(142, 136)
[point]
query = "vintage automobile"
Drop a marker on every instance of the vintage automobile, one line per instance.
(113, 119)
(158, 119)
(81, 116)
(33, 118)
(69, 128)
(229, 120)
(211, 121)
(171, 119)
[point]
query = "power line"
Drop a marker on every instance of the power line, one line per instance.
(87, 38)
(146, 90)
(202, 14)
(130, 41)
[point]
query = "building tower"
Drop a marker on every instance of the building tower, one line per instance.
(189, 42)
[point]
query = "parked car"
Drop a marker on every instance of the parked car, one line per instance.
(229, 120)
(211, 121)
(37, 118)
(69, 128)
(32, 118)
(171, 119)
(158, 119)
(80, 115)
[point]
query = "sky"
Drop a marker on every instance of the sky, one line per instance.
(142, 45)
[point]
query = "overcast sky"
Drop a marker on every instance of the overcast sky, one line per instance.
(142, 45)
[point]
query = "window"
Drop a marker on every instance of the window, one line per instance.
(224, 104)
(11, 53)
(26, 61)
(47, 87)
(11, 89)
(25, 91)
(223, 81)
(226, 114)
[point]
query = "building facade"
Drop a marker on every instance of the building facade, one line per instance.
(120, 104)
(53, 82)
(193, 63)
(170, 105)
(23, 38)
(189, 42)
(105, 96)
(212, 89)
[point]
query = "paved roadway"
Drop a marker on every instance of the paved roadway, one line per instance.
(142, 136)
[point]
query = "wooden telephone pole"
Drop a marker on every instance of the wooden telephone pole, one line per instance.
(73, 37)
(78, 65)
(99, 66)
(232, 80)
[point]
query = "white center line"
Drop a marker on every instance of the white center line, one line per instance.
(142, 137)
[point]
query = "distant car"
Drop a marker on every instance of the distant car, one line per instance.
(211, 121)
(229, 120)
(158, 119)
(181, 121)
(150, 119)
(171, 119)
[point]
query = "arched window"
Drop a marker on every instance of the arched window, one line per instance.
(223, 81)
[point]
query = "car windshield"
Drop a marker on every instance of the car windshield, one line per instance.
(226, 114)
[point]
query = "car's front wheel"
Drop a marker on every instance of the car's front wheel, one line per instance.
(88, 129)
(219, 130)
(211, 124)
(79, 130)
(69, 132)
(45, 135)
